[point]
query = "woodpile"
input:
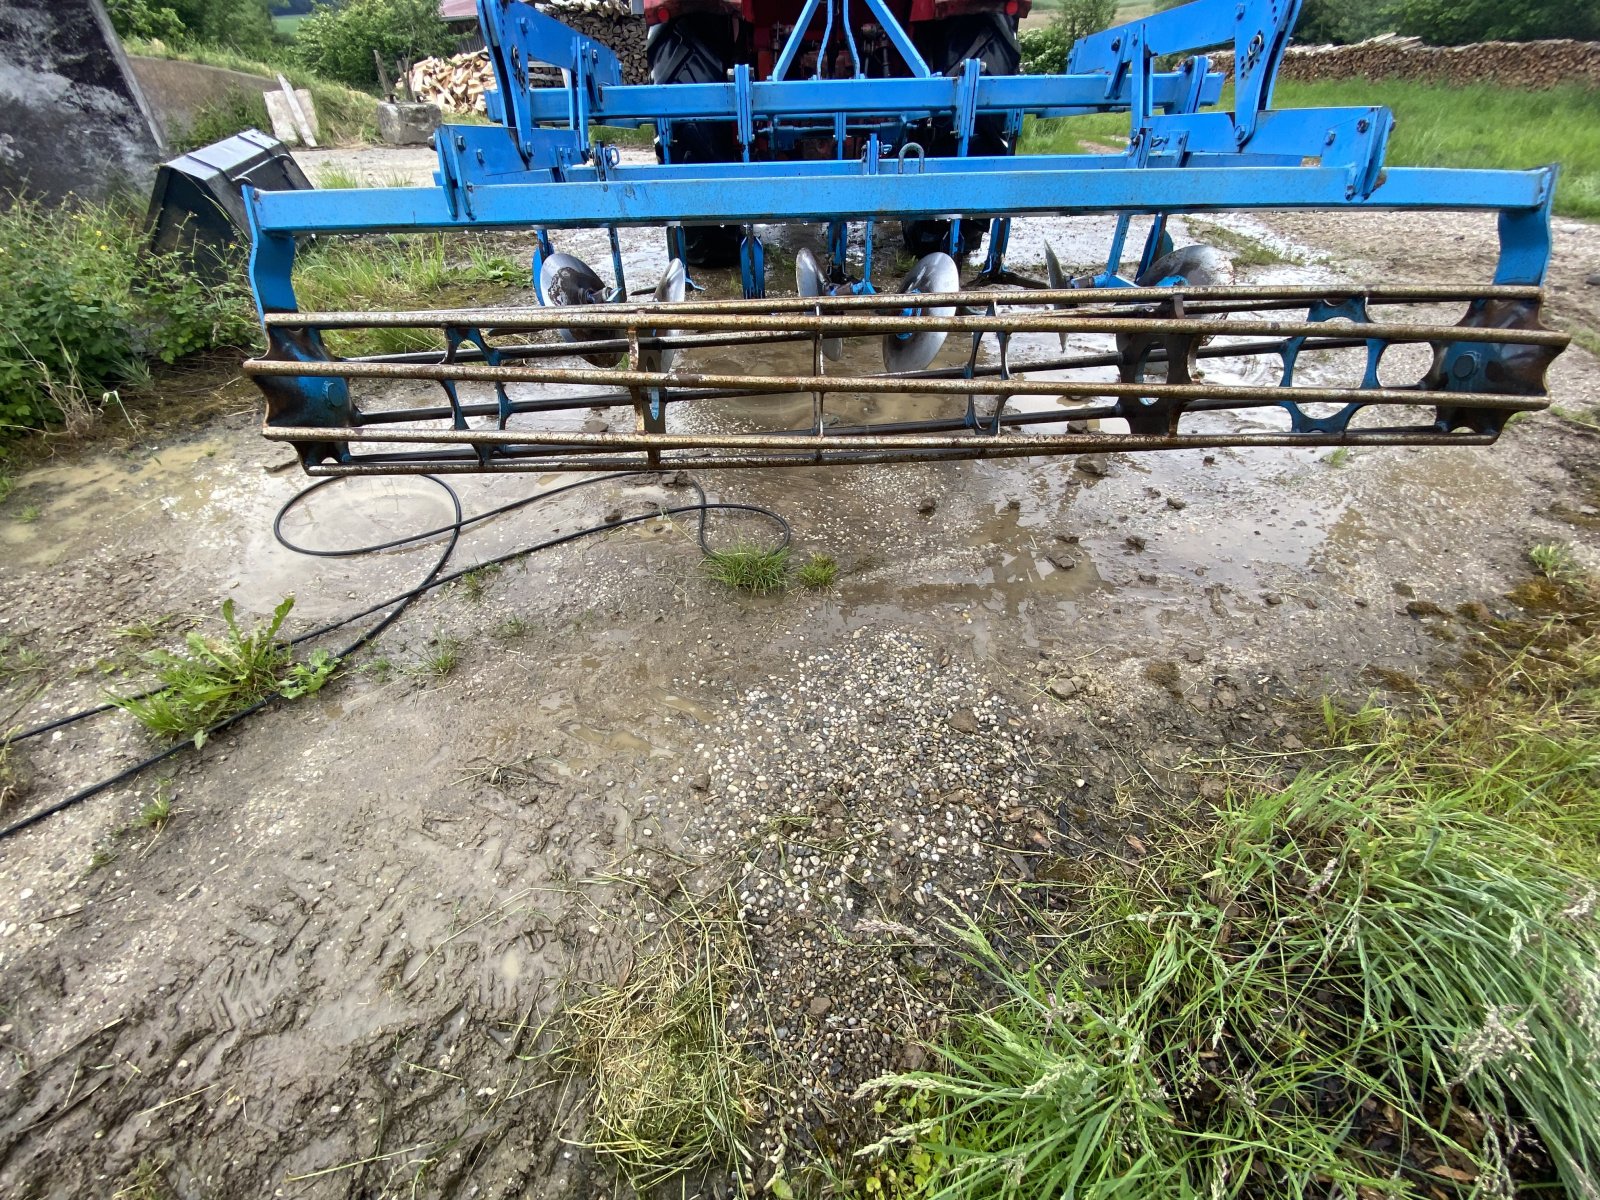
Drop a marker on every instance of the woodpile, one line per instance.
(457, 84)
(1504, 64)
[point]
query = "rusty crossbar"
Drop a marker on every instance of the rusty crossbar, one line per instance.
(1485, 367)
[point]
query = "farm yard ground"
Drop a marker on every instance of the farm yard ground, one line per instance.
(332, 969)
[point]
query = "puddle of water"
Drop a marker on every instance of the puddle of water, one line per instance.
(618, 739)
(98, 496)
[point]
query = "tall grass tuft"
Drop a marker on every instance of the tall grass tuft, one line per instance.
(750, 568)
(1381, 978)
(396, 272)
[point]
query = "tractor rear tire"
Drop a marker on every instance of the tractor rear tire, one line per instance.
(991, 38)
(698, 48)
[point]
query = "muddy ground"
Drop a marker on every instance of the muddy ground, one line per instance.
(324, 975)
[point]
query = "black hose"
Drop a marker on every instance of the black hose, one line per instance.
(398, 603)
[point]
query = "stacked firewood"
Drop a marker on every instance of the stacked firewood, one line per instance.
(1505, 64)
(454, 84)
(457, 84)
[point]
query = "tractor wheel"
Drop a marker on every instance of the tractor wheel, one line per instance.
(698, 48)
(991, 38)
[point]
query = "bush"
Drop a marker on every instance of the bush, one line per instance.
(1044, 51)
(1343, 21)
(338, 43)
(242, 25)
(84, 307)
(143, 19)
(1457, 22)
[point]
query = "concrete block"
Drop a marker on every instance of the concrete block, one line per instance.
(284, 127)
(407, 124)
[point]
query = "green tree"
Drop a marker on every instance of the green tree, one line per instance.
(142, 19)
(1343, 21)
(1457, 22)
(1044, 51)
(337, 43)
(244, 26)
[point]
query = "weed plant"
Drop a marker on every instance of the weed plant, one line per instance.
(216, 678)
(440, 661)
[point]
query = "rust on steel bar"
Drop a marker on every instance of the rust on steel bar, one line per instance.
(1038, 323)
(882, 384)
(695, 457)
(543, 318)
(1070, 362)
(1042, 444)
(575, 349)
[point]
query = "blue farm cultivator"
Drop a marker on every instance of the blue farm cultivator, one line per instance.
(858, 118)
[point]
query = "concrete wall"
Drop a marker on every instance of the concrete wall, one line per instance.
(176, 90)
(72, 120)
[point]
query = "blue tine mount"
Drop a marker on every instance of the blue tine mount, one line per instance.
(1134, 349)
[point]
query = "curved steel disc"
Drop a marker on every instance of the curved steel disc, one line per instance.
(568, 281)
(1058, 279)
(936, 272)
(1197, 265)
(670, 289)
(809, 281)
(673, 286)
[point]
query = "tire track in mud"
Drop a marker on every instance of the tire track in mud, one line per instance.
(332, 998)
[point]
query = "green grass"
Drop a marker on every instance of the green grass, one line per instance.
(1360, 978)
(215, 678)
(441, 660)
(1246, 250)
(514, 629)
(1436, 126)
(13, 781)
(749, 568)
(818, 572)
(235, 112)
(399, 272)
(340, 178)
(28, 514)
(475, 583)
(1339, 457)
(17, 659)
(145, 629)
(157, 812)
(616, 135)
(1555, 561)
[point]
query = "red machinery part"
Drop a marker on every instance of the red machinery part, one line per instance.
(760, 17)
